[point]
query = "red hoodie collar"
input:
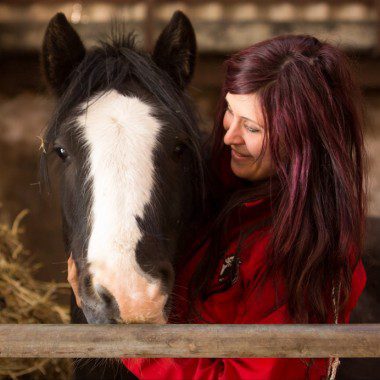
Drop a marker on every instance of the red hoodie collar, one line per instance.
(255, 203)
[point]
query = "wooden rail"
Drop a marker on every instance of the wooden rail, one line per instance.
(223, 341)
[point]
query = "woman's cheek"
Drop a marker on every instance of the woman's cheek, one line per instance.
(254, 146)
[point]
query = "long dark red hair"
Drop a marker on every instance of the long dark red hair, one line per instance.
(312, 112)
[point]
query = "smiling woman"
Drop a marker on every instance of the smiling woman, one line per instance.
(245, 134)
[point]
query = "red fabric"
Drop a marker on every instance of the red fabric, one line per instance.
(244, 302)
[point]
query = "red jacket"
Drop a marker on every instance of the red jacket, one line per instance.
(244, 302)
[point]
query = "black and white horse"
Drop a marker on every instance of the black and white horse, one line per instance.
(131, 164)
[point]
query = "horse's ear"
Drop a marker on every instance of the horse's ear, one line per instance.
(62, 51)
(176, 48)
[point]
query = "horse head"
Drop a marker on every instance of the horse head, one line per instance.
(130, 164)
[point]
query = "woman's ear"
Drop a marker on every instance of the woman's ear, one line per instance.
(175, 49)
(62, 51)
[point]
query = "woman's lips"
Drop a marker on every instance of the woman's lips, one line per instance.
(239, 157)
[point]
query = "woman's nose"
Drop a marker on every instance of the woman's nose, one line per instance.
(233, 135)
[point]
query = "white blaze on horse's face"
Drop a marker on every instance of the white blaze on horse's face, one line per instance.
(121, 135)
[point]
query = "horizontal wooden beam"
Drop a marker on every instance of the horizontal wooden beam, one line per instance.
(209, 71)
(221, 26)
(274, 2)
(212, 341)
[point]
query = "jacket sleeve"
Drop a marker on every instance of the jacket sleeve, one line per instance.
(247, 368)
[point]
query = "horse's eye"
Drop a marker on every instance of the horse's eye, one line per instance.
(61, 152)
(179, 149)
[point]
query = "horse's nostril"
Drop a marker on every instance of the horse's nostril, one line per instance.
(107, 298)
(87, 282)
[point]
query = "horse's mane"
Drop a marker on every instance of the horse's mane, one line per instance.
(108, 66)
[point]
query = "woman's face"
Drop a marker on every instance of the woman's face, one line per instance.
(245, 133)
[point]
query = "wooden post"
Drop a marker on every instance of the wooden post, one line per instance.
(215, 341)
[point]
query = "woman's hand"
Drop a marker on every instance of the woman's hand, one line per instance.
(72, 278)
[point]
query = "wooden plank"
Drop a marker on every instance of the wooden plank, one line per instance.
(222, 341)
(377, 49)
(149, 20)
(213, 37)
(224, 26)
(271, 2)
(209, 71)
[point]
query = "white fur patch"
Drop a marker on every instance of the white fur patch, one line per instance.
(121, 134)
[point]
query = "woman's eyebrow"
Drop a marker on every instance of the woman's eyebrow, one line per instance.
(245, 118)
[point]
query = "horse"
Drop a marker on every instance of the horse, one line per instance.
(132, 178)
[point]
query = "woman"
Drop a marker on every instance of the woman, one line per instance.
(287, 217)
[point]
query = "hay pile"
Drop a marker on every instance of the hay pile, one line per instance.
(23, 299)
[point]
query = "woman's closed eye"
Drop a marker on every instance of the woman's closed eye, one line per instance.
(251, 129)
